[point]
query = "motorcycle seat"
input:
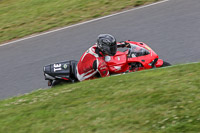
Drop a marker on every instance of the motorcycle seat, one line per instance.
(73, 65)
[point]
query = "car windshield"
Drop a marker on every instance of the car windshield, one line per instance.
(136, 51)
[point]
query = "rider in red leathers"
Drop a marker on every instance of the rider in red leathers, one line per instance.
(92, 63)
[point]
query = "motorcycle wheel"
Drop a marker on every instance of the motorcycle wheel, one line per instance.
(59, 82)
(165, 64)
(55, 82)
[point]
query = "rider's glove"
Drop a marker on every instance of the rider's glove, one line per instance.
(124, 44)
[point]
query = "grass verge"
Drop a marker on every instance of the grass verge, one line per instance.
(19, 18)
(163, 100)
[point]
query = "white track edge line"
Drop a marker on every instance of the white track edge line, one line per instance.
(93, 20)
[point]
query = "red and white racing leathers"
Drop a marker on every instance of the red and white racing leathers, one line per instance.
(91, 63)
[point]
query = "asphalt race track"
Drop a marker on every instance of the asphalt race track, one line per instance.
(171, 28)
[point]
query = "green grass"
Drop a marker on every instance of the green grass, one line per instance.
(19, 18)
(163, 100)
